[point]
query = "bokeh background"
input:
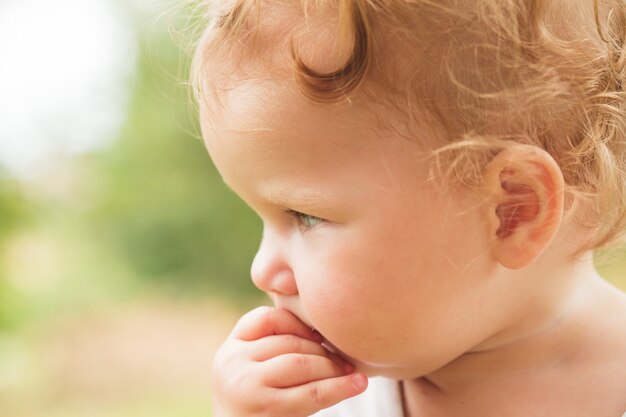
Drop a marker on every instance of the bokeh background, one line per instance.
(124, 261)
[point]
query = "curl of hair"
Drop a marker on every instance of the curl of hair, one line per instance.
(333, 86)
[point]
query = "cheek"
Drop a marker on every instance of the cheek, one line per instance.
(387, 297)
(356, 298)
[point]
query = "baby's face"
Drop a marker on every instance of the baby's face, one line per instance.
(392, 269)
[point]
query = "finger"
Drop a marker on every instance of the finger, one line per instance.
(295, 369)
(310, 398)
(267, 321)
(276, 345)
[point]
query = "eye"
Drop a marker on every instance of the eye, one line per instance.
(306, 220)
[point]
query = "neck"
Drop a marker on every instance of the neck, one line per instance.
(551, 334)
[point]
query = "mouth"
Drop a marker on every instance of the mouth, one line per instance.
(330, 347)
(293, 305)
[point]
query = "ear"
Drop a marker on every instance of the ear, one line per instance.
(524, 190)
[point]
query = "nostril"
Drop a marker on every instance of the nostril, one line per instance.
(284, 283)
(280, 281)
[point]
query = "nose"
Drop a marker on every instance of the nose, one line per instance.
(270, 270)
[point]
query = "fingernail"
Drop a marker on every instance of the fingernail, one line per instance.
(359, 381)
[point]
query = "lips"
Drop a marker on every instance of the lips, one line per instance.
(330, 347)
(292, 304)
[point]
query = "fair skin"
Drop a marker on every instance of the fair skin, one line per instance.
(473, 300)
(480, 310)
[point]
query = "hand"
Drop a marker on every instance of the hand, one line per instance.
(273, 365)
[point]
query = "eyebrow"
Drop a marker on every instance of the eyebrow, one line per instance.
(290, 195)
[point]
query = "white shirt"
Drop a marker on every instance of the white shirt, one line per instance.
(381, 398)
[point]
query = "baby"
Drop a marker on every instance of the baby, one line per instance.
(433, 178)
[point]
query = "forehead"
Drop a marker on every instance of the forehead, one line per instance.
(274, 105)
(267, 120)
(266, 134)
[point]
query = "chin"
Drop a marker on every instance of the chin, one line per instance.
(384, 371)
(368, 369)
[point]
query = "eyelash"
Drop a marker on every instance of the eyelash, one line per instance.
(299, 217)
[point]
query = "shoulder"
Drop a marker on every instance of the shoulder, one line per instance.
(382, 398)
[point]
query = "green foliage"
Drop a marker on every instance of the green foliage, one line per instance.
(13, 207)
(13, 214)
(161, 203)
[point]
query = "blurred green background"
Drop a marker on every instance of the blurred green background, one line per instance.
(124, 263)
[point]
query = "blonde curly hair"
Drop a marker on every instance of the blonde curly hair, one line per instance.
(546, 73)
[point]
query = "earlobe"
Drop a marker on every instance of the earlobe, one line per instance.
(524, 189)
